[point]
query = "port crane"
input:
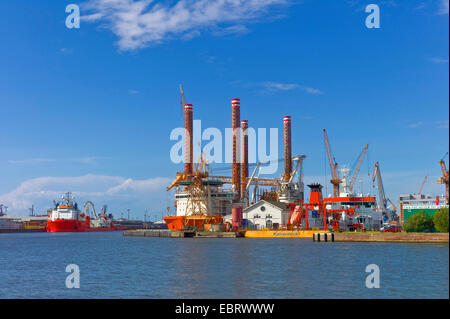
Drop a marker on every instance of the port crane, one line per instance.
(3, 209)
(445, 177)
(298, 168)
(358, 166)
(86, 209)
(421, 185)
(182, 99)
(382, 199)
(335, 180)
(247, 187)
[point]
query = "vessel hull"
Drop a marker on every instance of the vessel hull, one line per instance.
(174, 222)
(70, 225)
(191, 222)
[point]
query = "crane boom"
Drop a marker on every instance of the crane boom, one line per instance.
(421, 185)
(444, 167)
(358, 166)
(445, 177)
(335, 180)
(330, 155)
(86, 209)
(382, 201)
(246, 192)
(393, 206)
(251, 177)
(182, 99)
(298, 166)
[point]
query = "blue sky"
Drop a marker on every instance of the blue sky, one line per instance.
(91, 109)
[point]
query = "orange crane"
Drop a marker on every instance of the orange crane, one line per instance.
(421, 185)
(445, 177)
(335, 180)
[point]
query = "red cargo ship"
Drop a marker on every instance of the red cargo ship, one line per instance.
(66, 217)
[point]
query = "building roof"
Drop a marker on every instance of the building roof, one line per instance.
(282, 206)
(278, 204)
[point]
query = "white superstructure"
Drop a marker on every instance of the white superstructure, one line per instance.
(67, 209)
(219, 200)
(364, 208)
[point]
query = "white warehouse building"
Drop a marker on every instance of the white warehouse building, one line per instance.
(265, 214)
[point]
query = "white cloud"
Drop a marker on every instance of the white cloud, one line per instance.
(234, 29)
(118, 192)
(139, 186)
(443, 7)
(442, 124)
(415, 125)
(32, 161)
(90, 160)
(280, 86)
(439, 60)
(65, 51)
(311, 90)
(133, 91)
(140, 23)
(92, 17)
(421, 6)
(272, 86)
(435, 124)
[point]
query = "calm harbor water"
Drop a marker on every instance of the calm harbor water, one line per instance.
(113, 266)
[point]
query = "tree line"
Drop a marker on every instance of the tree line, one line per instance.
(423, 223)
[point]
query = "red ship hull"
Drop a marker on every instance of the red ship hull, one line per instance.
(198, 222)
(72, 225)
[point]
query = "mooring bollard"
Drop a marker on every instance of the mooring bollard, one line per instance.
(324, 237)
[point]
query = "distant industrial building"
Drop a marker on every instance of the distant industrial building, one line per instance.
(411, 204)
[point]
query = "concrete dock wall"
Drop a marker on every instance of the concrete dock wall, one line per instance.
(392, 237)
(318, 237)
(21, 230)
